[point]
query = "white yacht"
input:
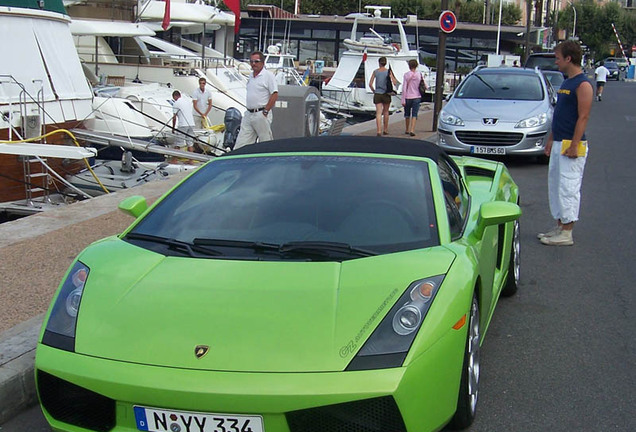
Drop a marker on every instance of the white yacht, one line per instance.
(42, 93)
(348, 89)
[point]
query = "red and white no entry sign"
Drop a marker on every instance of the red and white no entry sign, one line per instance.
(447, 21)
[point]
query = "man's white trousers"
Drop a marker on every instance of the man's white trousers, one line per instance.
(565, 176)
(254, 125)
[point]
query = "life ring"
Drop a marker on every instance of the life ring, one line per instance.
(396, 46)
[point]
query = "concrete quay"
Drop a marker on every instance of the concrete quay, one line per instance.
(36, 251)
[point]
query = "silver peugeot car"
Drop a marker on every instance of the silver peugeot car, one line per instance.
(498, 111)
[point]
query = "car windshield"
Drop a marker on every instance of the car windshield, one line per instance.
(255, 206)
(506, 86)
(611, 65)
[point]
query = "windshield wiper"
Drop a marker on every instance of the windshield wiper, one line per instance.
(246, 244)
(325, 249)
(485, 83)
(191, 249)
(319, 249)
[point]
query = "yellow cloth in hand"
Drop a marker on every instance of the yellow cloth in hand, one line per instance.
(581, 150)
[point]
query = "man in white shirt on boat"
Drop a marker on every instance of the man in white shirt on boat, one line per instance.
(262, 92)
(182, 117)
(202, 104)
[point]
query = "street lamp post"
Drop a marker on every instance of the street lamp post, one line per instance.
(574, 26)
(526, 51)
(499, 26)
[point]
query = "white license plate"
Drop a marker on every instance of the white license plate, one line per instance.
(160, 420)
(488, 150)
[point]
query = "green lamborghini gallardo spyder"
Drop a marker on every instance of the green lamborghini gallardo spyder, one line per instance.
(319, 284)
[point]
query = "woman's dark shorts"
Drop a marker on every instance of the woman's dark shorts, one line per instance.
(381, 98)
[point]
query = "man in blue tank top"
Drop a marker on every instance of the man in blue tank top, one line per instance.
(566, 144)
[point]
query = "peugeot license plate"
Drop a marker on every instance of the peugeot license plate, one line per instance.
(488, 150)
(160, 420)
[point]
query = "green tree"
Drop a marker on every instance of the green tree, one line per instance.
(594, 26)
(472, 11)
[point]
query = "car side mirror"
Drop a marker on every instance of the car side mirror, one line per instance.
(134, 206)
(495, 213)
(448, 97)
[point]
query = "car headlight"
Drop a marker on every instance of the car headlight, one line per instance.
(533, 121)
(60, 328)
(450, 119)
(390, 342)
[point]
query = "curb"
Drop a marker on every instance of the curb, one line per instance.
(17, 357)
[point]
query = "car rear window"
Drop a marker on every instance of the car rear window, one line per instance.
(556, 79)
(380, 204)
(542, 62)
(501, 86)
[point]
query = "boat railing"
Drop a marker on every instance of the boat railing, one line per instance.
(290, 76)
(25, 101)
(180, 64)
(35, 168)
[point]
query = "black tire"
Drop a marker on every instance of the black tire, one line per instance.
(514, 268)
(469, 386)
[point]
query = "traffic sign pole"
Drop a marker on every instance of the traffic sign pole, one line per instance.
(447, 23)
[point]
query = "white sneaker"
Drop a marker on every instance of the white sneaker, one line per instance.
(555, 231)
(564, 238)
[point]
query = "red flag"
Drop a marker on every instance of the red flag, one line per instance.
(235, 7)
(166, 16)
(364, 55)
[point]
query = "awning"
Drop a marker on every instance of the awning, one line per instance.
(346, 71)
(399, 67)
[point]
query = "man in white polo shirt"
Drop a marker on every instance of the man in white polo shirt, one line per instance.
(202, 104)
(262, 92)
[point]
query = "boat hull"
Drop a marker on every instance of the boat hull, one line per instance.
(12, 169)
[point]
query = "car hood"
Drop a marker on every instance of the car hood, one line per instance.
(470, 110)
(273, 316)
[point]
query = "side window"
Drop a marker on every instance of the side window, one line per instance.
(548, 84)
(455, 197)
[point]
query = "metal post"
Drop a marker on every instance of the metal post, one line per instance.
(439, 77)
(96, 58)
(526, 51)
(499, 25)
(203, 48)
(574, 25)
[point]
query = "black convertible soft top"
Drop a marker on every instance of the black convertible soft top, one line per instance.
(347, 144)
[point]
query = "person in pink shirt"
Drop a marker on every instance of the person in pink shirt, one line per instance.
(411, 97)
